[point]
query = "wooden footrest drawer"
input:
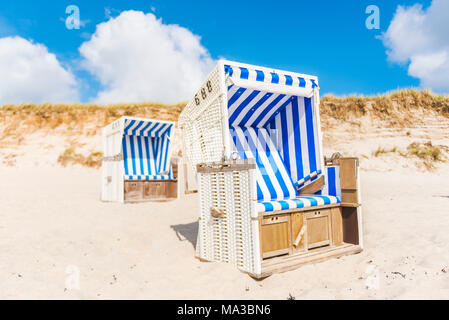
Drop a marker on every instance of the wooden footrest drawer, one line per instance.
(150, 190)
(300, 231)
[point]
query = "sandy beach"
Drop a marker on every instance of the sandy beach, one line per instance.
(54, 227)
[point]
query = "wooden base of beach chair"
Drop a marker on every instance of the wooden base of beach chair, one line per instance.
(280, 240)
(153, 190)
(295, 237)
(291, 262)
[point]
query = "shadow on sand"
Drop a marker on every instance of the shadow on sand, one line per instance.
(188, 231)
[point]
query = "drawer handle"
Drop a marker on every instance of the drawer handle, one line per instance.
(275, 220)
(217, 213)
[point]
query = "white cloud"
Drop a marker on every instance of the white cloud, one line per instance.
(138, 58)
(29, 73)
(420, 39)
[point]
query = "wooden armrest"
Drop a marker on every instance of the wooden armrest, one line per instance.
(313, 187)
(233, 165)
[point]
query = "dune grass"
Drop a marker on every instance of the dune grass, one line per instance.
(73, 119)
(427, 153)
(398, 108)
(53, 115)
(380, 150)
(71, 157)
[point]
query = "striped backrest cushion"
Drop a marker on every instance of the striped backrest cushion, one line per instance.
(144, 155)
(297, 138)
(273, 180)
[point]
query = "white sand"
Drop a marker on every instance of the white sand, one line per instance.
(52, 222)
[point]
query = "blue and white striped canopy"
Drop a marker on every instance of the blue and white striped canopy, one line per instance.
(145, 147)
(146, 128)
(275, 78)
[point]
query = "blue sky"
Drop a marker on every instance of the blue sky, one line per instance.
(324, 38)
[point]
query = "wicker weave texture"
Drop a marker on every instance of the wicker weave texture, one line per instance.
(202, 122)
(234, 237)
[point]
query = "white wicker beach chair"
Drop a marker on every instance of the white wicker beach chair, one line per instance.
(136, 164)
(267, 201)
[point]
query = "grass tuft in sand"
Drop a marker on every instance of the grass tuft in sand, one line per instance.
(380, 150)
(426, 151)
(71, 157)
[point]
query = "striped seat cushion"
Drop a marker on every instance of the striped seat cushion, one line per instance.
(305, 201)
(272, 178)
(147, 177)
